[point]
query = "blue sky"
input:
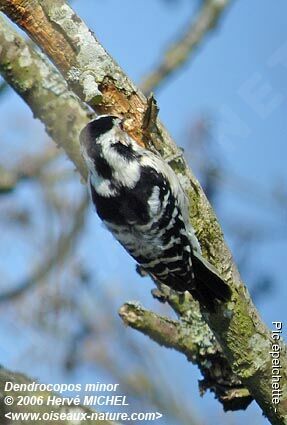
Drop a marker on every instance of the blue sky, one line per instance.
(242, 51)
(236, 55)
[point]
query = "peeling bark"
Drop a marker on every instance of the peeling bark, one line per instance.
(199, 346)
(98, 80)
(45, 91)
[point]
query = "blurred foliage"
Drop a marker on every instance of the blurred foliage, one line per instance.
(61, 297)
(73, 294)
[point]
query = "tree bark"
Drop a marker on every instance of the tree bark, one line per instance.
(99, 81)
(21, 74)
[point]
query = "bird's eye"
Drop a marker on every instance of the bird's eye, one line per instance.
(124, 150)
(121, 145)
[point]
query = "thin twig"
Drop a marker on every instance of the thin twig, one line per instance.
(180, 52)
(98, 80)
(29, 167)
(58, 253)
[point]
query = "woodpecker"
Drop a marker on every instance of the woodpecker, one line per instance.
(141, 201)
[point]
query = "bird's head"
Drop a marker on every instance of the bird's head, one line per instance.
(110, 153)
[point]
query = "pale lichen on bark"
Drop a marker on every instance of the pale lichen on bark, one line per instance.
(234, 324)
(45, 91)
(94, 64)
(192, 337)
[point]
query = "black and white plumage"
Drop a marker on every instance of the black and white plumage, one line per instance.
(141, 201)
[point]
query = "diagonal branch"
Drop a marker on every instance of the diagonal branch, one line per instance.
(20, 80)
(45, 91)
(29, 167)
(180, 52)
(56, 255)
(100, 82)
(183, 337)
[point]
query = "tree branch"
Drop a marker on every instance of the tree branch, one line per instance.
(186, 337)
(56, 255)
(29, 167)
(45, 91)
(15, 42)
(96, 78)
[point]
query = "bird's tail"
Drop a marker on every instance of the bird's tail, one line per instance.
(209, 285)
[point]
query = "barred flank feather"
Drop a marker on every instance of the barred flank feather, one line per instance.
(141, 201)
